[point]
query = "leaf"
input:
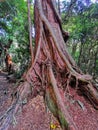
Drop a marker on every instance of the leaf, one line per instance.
(53, 126)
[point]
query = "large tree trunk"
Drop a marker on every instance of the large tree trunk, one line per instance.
(52, 67)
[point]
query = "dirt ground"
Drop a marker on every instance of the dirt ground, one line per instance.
(34, 115)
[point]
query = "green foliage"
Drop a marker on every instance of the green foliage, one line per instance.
(14, 25)
(83, 29)
(81, 21)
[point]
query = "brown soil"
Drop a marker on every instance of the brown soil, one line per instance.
(34, 115)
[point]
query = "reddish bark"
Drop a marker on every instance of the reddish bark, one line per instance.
(53, 67)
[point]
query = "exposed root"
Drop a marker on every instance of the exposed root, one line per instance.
(91, 93)
(68, 81)
(45, 72)
(39, 77)
(6, 118)
(59, 102)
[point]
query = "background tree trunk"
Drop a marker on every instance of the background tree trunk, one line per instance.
(30, 30)
(59, 7)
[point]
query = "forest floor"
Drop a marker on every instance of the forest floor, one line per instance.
(35, 116)
(32, 116)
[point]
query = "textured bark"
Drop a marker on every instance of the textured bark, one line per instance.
(53, 67)
(30, 30)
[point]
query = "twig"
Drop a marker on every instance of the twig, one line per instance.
(68, 81)
(37, 75)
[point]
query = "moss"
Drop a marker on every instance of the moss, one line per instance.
(62, 120)
(52, 104)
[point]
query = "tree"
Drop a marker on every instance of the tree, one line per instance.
(30, 30)
(51, 67)
(83, 18)
(13, 23)
(5, 26)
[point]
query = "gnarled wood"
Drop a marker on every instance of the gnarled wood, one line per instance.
(53, 66)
